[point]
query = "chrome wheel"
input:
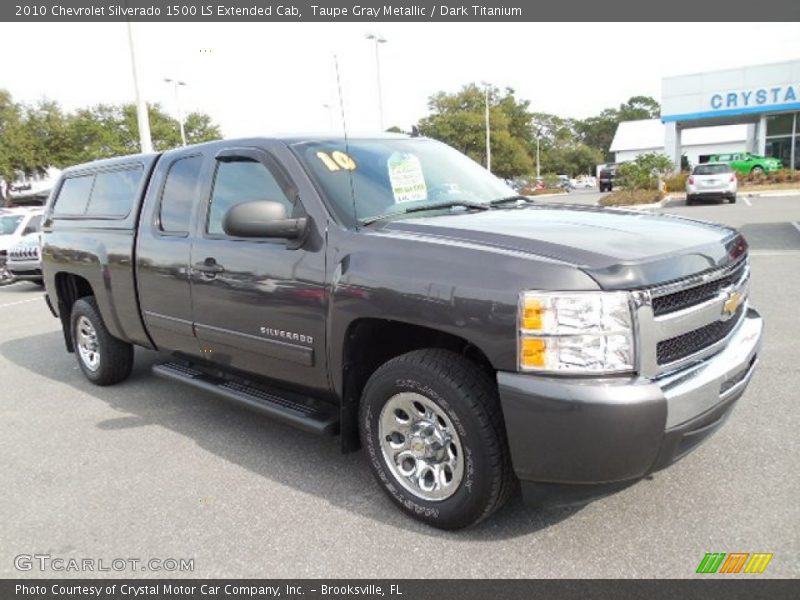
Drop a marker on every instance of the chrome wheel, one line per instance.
(86, 339)
(420, 446)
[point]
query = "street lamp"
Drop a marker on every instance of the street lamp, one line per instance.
(142, 117)
(378, 40)
(488, 132)
(175, 83)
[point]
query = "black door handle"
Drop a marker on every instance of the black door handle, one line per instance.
(209, 267)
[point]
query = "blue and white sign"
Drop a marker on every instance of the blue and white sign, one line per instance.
(733, 92)
(783, 94)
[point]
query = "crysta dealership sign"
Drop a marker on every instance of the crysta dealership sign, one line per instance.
(731, 93)
(759, 97)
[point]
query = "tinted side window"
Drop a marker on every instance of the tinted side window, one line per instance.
(240, 181)
(74, 196)
(114, 192)
(178, 195)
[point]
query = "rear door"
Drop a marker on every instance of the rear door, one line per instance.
(259, 304)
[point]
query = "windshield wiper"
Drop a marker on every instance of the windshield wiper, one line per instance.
(507, 199)
(424, 207)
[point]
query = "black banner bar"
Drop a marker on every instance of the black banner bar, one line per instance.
(283, 11)
(707, 588)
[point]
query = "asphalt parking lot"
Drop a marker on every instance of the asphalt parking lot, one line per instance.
(152, 469)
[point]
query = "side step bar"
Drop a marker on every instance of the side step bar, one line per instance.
(301, 412)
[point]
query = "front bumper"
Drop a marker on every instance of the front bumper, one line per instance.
(581, 431)
(25, 269)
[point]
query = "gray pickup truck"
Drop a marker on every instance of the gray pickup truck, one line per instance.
(391, 291)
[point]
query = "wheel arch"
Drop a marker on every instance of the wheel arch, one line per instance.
(370, 342)
(69, 288)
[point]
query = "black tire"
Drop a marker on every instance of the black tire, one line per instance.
(732, 199)
(757, 170)
(114, 357)
(689, 200)
(468, 398)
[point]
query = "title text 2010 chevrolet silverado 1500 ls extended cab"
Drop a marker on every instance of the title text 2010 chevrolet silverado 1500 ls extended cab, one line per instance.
(394, 292)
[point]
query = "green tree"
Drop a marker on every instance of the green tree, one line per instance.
(598, 132)
(106, 130)
(16, 150)
(458, 119)
(644, 172)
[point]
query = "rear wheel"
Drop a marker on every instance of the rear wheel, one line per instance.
(431, 424)
(732, 199)
(104, 359)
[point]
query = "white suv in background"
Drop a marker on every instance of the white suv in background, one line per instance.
(16, 223)
(711, 181)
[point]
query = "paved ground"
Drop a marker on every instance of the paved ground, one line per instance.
(152, 469)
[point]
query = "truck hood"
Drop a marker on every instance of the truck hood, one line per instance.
(620, 249)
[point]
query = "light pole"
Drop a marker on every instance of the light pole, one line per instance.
(378, 41)
(145, 142)
(488, 131)
(175, 83)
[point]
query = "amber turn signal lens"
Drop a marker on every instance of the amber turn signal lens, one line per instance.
(532, 314)
(533, 352)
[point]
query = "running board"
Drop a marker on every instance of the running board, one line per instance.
(299, 411)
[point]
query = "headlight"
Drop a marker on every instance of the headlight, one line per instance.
(576, 332)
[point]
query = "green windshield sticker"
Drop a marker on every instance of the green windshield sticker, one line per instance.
(406, 178)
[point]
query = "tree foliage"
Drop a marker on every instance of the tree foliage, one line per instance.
(33, 137)
(459, 120)
(566, 146)
(644, 172)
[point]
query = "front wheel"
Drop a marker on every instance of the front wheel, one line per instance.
(432, 427)
(104, 359)
(757, 170)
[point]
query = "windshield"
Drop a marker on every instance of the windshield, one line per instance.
(711, 169)
(9, 224)
(394, 175)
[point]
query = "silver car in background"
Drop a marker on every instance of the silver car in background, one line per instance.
(24, 262)
(711, 181)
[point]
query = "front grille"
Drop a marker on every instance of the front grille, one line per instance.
(676, 348)
(24, 253)
(698, 294)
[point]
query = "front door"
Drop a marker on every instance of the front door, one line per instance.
(259, 304)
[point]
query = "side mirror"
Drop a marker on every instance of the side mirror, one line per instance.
(262, 219)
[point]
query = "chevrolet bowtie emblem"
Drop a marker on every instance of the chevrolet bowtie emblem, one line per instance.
(731, 305)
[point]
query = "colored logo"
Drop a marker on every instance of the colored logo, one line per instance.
(734, 562)
(731, 305)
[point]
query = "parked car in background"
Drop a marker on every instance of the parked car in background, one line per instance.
(606, 178)
(566, 183)
(24, 261)
(585, 183)
(715, 181)
(746, 163)
(14, 224)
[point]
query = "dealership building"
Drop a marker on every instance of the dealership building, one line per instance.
(749, 109)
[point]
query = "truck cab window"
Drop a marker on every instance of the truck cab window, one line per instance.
(114, 192)
(241, 181)
(74, 195)
(178, 195)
